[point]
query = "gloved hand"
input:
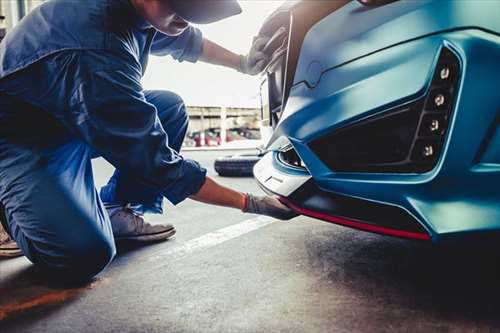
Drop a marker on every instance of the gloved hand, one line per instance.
(268, 206)
(256, 60)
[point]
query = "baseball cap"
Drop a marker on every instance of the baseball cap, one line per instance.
(205, 11)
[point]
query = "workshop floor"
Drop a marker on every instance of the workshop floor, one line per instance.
(230, 272)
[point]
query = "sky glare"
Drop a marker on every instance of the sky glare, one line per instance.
(203, 84)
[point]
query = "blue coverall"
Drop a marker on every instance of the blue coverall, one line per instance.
(69, 91)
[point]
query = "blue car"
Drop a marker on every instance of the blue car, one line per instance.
(386, 115)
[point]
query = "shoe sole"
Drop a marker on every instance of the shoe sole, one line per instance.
(149, 238)
(9, 249)
(10, 253)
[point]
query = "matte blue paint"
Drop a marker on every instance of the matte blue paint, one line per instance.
(354, 30)
(386, 57)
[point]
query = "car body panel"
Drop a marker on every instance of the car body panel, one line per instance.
(275, 181)
(359, 30)
(387, 61)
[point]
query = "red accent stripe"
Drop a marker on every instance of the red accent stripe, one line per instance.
(245, 204)
(356, 224)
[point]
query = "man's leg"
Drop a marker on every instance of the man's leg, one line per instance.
(127, 198)
(123, 188)
(53, 210)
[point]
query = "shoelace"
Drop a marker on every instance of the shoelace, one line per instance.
(138, 220)
(4, 237)
(5, 240)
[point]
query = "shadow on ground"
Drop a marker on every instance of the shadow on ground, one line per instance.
(453, 283)
(29, 293)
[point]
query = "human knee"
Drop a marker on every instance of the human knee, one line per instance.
(182, 114)
(171, 106)
(81, 260)
(92, 257)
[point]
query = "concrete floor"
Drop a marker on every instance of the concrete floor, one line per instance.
(230, 272)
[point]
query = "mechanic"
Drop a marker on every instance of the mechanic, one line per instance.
(70, 91)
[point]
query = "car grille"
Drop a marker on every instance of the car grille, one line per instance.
(408, 139)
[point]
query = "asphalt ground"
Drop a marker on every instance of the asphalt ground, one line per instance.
(231, 272)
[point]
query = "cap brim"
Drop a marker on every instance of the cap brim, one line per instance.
(205, 11)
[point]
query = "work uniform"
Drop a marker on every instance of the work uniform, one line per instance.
(69, 91)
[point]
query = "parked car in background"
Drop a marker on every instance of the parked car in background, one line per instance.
(212, 136)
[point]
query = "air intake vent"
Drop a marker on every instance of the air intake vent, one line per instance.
(289, 157)
(405, 140)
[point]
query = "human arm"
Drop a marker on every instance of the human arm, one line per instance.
(213, 193)
(253, 63)
(218, 55)
(191, 46)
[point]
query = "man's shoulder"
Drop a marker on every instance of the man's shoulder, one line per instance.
(78, 23)
(90, 22)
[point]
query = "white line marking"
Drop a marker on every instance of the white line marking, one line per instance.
(164, 257)
(213, 238)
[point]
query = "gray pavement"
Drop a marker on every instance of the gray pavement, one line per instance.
(231, 272)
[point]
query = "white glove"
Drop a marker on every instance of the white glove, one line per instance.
(268, 206)
(256, 60)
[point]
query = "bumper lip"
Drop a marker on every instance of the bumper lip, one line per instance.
(355, 224)
(288, 187)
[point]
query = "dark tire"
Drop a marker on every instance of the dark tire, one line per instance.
(236, 166)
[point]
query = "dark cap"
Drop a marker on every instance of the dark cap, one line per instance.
(205, 11)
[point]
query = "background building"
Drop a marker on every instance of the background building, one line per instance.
(216, 125)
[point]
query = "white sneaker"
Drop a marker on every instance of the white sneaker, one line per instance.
(127, 225)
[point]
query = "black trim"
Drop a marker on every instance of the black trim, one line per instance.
(291, 159)
(404, 139)
(312, 198)
(375, 3)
